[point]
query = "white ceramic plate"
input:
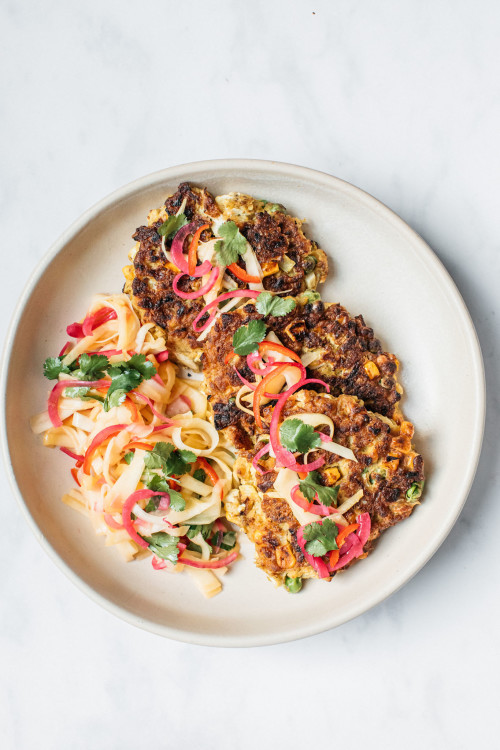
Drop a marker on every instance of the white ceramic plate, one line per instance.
(378, 267)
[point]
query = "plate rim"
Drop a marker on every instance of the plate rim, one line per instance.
(302, 174)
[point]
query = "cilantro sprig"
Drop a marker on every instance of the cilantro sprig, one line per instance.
(231, 245)
(161, 464)
(269, 304)
(171, 226)
(295, 435)
(163, 545)
(311, 487)
(125, 376)
(320, 537)
(247, 338)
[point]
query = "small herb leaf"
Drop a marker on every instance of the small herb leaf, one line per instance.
(297, 436)
(269, 304)
(247, 338)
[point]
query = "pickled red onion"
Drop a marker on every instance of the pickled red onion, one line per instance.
(213, 304)
(180, 259)
(127, 510)
(211, 564)
(55, 394)
(214, 275)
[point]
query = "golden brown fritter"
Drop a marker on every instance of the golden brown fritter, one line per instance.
(349, 359)
(276, 238)
(388, 471)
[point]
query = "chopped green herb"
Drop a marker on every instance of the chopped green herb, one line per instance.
(310, 487)
(309, 296)
(171, 226)
(293, 584)
(228, 540)
(247, 338)
(125, 376)
(320, 538)
(204, 528)
(295, 435)
(271, 208)
(152, 504)
(157, 483)
(200, 475)
(128, 457)
(231, 245)
(163, 545)
(414, 492)
(91, 367)
(53, 367)
(269, 304)
(76, 392)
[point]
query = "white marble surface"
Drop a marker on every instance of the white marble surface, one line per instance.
(400, 98)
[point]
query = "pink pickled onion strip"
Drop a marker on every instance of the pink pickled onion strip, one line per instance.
(365, 525)
(213, 304)
(72, 455)
(111, 522)
(214, 275)
(282, 454)
(253, 386)
(158, 380)
(164, 504)
(155, 411)
(219, 525)
(162, 356)
(186, 400)
(127, 510)
(177, 250)
(315, 562)
(265, 449)
(80, 330)
(355, 550)
(158, 564)
(325, 438)
(211, 564)
(55, 395)
(254, 357)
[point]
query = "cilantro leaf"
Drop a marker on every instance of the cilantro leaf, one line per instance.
(310, 487)
(157, 483)
(163, 545)
(200, 475)
(177, 502)
(152, 504)
(172, 225)
(170, 460)
(53, 367)
(124, 382)
(231, 246)
(269, 304)
(141, 364)
(125, 376)
(297, 436)
(91, 367)
(204, 528)
(128, 457)
(76, 392)
(228, 540)
(320, 538)
(247, 338)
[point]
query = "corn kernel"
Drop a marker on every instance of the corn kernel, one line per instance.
(333, 475)
(268, 268)
(371, 369)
